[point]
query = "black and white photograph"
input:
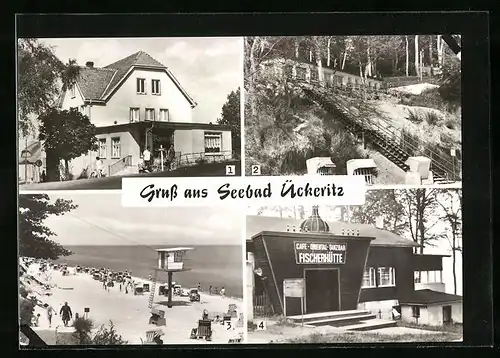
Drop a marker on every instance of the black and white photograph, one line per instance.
(94, 110)
(92, 272)
(387, 107)
(387, 271)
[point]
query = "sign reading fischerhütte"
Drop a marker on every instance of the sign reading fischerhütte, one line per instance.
(320, 253)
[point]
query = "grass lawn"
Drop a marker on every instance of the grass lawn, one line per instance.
(371, 337)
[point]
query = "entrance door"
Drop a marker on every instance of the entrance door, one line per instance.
(446, 314)
(322, 290)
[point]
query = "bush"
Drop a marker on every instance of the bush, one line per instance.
(200, 161)
(414, 117)
(83, 328)
(432, 118)
(251, 326)
(105, 336)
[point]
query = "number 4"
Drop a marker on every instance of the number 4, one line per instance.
(262, 325)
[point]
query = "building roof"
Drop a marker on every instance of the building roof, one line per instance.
(258, 223)
(98, 84)
(428, 297)
(314, 223)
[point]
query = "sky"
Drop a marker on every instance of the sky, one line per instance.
(100, 219)
(207, 68)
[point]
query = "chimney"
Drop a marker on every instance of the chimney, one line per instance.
(379, 222)
(89, 64)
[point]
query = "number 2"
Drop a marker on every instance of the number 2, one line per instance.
(256, 169)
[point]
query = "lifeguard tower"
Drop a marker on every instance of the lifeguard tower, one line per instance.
(169, 260)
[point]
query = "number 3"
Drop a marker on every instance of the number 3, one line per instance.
(228, 324)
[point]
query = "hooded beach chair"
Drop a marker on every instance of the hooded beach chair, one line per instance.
(153, 337)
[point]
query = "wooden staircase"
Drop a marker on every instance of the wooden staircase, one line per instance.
(384, 139)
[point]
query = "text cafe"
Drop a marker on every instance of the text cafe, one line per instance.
(333, 266)
(330, 265)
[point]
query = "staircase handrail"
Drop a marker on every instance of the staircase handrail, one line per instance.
(440, 162)
(126, 160)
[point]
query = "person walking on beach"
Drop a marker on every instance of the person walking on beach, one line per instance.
(50, 312)
(210, 290)
(199, 287)
(66, 313)
(222, 292)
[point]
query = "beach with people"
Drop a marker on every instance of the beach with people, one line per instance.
(106, 296)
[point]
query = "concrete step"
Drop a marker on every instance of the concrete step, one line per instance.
(328, 315)
(342, 321)
(371, 324)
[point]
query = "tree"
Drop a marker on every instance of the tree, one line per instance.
(34, 237)
(83, 329)
(66, 135)
(231, 117)
(450, 201)
(383, 203)
(39, 77)
(407, 61)
(419, 205)
(108, 336)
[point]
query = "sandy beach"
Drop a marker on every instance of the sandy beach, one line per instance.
(130, 313)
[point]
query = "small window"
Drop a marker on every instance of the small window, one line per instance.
(164, 115)
(386, 276)
(155, 87)
(73, 91)
(416, 277)
(213, 142)
(301, 73)
(141, 86)
(369, 278)
(314, 74)
(102, 148)
(115, 147)
(415, 311)
(134, 114)
(150, 114)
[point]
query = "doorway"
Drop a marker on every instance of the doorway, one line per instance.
(322, 290)
(446, 314)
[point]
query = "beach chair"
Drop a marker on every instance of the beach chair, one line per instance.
(157, 317)
(204, 330)
(153, 337)
(138, 290)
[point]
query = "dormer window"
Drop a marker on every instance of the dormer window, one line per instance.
(141, 86)
(155, 87)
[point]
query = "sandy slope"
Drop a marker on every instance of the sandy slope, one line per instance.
(130, 313)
